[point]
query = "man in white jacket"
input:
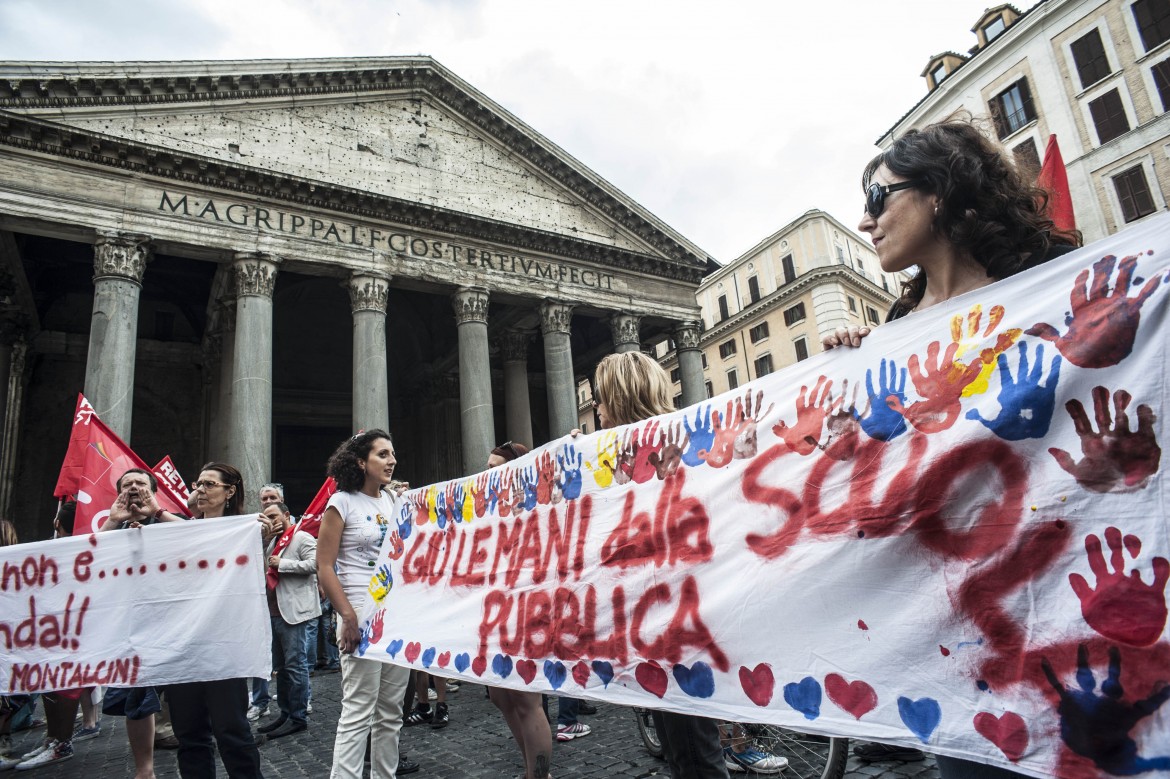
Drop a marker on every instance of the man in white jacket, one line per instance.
(291, 584)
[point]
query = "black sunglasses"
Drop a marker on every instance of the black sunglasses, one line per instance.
(875, 196)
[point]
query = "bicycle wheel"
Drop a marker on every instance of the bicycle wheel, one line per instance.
(648, 732)
(809, 756)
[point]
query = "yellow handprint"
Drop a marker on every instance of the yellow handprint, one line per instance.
(607, 452)
(432, 515)
(973, 339)
(469, 500)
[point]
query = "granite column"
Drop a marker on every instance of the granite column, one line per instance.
(555, 322)
(517, 405)
(371, 400)
(690, 362)
(477, 417)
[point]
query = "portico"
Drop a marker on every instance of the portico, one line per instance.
(268, 263)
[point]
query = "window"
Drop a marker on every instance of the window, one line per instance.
(710, 389)
(939, 73)
(860, 266)
(1027, 159)
(994, 29)
(1161, 74)
(794, 314)
(852, 305)
(584, 427)
(840, 255)
(801, 349)
(732, 379)
(872, 314)
(723, 308)
(759, 332)
(789, 269)
(1133, 193)
(763, 365)
(677, 403)
(676, 375)
(1090, 58)
(1012, 108)
(1153, 21)
(1109, 116)
(704, 356)
(885, 284)
(754, 288)
(726, 349)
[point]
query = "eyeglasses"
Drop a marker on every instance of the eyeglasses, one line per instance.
(875, 196)
(205, 485)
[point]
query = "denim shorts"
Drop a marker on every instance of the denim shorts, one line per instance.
(131, 702)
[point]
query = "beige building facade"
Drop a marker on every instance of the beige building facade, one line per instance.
(247, 261)
(1096, 73)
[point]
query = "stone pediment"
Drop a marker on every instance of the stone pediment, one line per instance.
(404, 129)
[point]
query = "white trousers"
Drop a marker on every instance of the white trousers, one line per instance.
(371, 700)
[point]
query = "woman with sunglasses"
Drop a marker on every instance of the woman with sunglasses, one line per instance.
(201, 710)
(947, 200)
(353, 528)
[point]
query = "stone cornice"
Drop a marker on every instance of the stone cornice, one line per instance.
(63, 86)
(194, 170)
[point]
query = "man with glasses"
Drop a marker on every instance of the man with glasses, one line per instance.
(271, 493)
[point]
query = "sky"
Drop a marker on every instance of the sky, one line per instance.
(726, 120)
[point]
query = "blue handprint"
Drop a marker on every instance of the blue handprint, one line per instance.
(701, 436)
(493, 491)
(570, 481)
(882, 422)
(441, 509)
(1025, 405)
(405, 520)
(528, 479)
(456, 507)
(1098, 726)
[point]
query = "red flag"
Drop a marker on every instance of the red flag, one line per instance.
(96, 457)
(170, 480)
(310, 523)
(1054, 178)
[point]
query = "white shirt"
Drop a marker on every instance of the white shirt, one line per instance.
(366, 522)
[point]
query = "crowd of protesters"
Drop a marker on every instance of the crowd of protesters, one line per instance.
(962, 225)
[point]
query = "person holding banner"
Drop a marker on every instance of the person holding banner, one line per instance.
(353, 528)
(948, 200)
(200, 710)
(136, 505)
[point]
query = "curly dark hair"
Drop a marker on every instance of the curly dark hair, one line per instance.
(343, 463)
(986, 206)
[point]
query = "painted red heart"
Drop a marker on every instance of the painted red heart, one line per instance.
(1009, 732)
(857, 698)
(581, 673)
(479, 665)
(443, 659)
(758, 684)
(652, 678)
(412, 651)
(527, 670)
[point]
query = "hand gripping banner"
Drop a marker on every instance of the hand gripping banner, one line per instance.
(953, 537)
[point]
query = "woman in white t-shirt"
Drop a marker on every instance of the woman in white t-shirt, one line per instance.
(353, 527)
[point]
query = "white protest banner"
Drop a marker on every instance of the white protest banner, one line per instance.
(953, 537)
(172, 602)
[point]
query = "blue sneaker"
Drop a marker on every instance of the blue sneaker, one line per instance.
(85, 734)
(753, 760)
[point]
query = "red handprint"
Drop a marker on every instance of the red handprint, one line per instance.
(376, 626)
(396, 545)
(844, 429)
(481, 493)
(667, 459)
(647, 447)
(623, 471)
(1102, 325)
(941, 387)
(1116, 459)
(545, 479)
(1122, 608)
(502, 486)
(804, 437)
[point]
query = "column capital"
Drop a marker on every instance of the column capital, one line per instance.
(687, 333)
(625, 329)
(368, 291)
(514, 345)
(121, 255)
(254, 273)
(470, 304)
(555, 317)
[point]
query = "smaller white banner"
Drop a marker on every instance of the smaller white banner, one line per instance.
(168, 603)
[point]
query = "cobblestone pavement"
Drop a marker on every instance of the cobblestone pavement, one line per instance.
(476, 744)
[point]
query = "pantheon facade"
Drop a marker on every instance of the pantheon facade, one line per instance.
(248, 261)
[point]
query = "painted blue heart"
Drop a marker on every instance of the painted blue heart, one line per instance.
(462, 662)
(555, 673)
(921, 716)
(428, 657)
(804, 696)
(604, 671)
(502, 665)
(394, 648)
(696, 681)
